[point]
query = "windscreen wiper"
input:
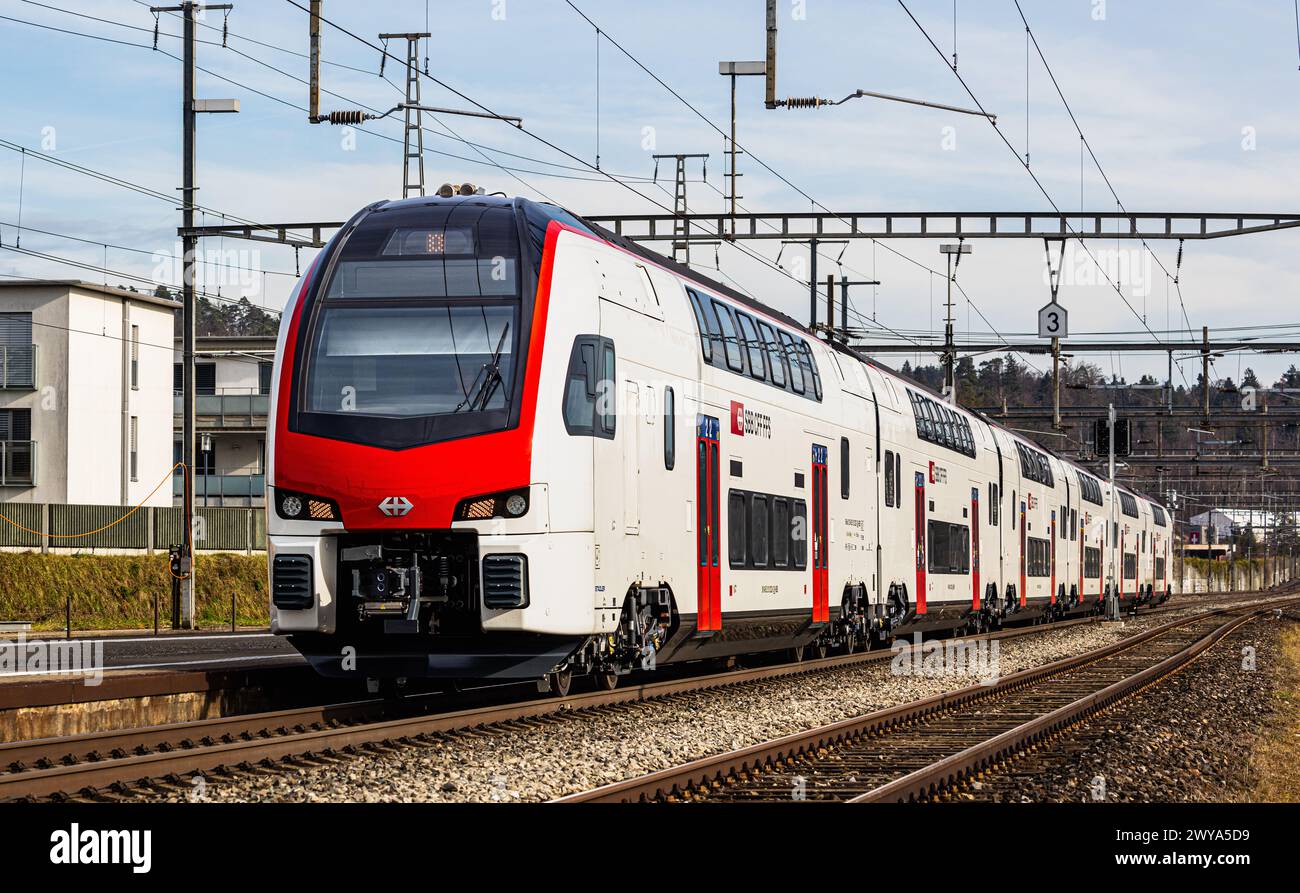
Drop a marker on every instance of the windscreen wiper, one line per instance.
(487, 380)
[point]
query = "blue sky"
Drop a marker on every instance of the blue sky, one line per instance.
(1188, 106)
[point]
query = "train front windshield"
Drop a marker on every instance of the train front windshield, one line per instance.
(415, 337)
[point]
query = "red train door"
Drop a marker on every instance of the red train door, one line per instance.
(1081, 554)
(821, 571)
(920, 543)
(1052, 539)
(1024, 588)
(1121, 564)
(708, 536)
(1101, 565)
(975, 548)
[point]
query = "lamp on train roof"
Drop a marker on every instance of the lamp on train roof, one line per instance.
(446, 190)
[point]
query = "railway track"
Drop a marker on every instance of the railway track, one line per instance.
(125, 763)
(927, 749)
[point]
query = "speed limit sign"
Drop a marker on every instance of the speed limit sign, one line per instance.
(1052, 321)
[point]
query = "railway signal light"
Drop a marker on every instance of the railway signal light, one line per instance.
(1123, 439)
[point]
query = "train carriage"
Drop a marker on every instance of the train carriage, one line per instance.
(505, 443)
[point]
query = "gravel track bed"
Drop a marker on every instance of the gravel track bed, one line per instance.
(586, 750)
(1188, 739)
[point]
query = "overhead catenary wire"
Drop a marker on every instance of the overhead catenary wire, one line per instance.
(1037, 182)
(1085, 144)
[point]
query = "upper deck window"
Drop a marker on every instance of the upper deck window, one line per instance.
(730, 340)
(936, 423)
(1128, 504)
(736, 340)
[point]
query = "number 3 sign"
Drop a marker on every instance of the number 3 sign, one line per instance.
(1052, 321)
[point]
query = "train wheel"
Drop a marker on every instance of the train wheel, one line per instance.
(606, 680)
(560, 682)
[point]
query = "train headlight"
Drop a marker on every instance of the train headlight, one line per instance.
(509, 504)
(290, 506)
(301, 507)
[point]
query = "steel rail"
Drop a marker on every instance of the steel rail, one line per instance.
(960, 767)
(90, 761)
(87, 762)
(715, 771)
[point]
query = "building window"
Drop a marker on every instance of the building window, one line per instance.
(17, 451)
(135, 361)
(135, 448)
(264, 377)
(17, 353)
(205, 378)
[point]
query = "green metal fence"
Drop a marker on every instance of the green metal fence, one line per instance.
(26, 514)
(91, 527)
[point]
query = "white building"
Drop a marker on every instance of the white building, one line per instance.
(85, 407)
(232, 376)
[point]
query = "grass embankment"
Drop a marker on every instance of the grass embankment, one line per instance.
(1277, 751)
(118, 591)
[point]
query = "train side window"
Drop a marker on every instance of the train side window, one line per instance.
(670, 429)
(730, 338)
(1074, 525)
(796, 369)
(589, 388)
(799, 534)
(775, 358)
(993, 505)
(844, 468)
(753, 347)
(889, 479)
(736, 528)
(780, 532)
(706, 345)
(810, 367)
(758, 531)
(1013, 509)
(607, 392)
(898, 479)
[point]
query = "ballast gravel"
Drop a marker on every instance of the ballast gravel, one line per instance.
(580, 751)
(1186, 740)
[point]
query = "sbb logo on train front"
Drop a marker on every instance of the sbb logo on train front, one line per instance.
(396, 506)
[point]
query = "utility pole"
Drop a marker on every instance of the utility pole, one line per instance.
(681, 246)
(949, 344)
(734, 70)
(1112, 596)
(1205, 372)
(190, 108)
(413, 114)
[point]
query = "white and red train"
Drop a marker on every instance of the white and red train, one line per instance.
(505, 443)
